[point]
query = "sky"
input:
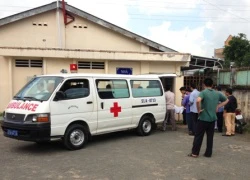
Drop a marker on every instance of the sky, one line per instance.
(187, 26)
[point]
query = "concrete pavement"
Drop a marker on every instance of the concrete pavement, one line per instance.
(123, 155)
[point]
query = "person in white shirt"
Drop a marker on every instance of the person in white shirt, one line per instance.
(170, 112)
(193, 108)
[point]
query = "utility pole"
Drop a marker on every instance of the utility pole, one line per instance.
(231, 73)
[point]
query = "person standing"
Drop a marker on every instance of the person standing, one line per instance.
(219, 113)
(229, 111)
(170, 112)
(185, 103)
(183, 94)
(207, 105)
(193, 109)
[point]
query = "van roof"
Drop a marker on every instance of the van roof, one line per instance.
(109, 75)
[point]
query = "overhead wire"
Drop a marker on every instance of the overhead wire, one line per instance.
(226, 11)
(174, 2)
(140, 5)
(138, 16)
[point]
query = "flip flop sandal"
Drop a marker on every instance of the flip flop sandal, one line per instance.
(192, 155)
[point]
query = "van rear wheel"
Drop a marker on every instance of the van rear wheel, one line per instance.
(145, 126)
(76, 137)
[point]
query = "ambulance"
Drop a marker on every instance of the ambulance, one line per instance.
(74, 107)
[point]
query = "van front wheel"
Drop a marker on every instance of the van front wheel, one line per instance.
(145, 126)
(76, 137)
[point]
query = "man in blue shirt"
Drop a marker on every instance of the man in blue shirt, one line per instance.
(193, 108)
(183, 94)
(185, 103)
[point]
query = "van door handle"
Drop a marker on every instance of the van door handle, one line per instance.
(89, 102)
(102, 105)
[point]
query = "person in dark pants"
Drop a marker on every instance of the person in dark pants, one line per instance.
(207, 106)
(185, 103)
(170, 112)
(229, 113)
(193, 109)
(183, 94)
(219, 113)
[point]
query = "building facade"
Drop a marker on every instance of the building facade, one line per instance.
(49, 38)
(218, 53)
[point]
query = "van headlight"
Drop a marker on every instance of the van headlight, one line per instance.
(34, 118)
(38, 118)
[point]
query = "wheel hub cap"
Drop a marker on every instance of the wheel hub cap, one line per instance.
(77, 137)
(146, 126)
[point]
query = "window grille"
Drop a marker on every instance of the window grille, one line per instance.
(84, 65)
(91, 65)
(29, 63)
(97, 65)
(36, 63)
(22, 63)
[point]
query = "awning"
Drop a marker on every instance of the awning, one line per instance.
(198, 62)
(167, 75)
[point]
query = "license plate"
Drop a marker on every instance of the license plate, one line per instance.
(11, 132)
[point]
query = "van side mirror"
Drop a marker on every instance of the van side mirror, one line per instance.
(60, 96)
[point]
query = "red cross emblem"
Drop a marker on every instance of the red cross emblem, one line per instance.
(115, 109)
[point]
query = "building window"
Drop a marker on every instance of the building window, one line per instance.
(84, 65)
(36, 63)
(22, 63)
(97, 65)
(39, 24)
(29, 63)
(91, 65)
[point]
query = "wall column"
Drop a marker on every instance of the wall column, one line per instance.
(6, 81)
(144, 67)
(10, 79)
(44, 66)
(106, 67)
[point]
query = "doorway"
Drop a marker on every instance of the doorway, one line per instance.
(168, 81)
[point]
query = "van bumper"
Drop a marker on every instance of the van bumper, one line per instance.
(27, 132)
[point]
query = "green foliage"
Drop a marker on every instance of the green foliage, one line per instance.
(237, 51)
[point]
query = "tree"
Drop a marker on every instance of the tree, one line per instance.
(237, 51)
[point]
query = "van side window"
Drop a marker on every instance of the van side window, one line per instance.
(146, 88)
(112, 89)
(76, 88)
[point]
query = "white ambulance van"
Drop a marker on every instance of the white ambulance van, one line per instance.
(73, 107)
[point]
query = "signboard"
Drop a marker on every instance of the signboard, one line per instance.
(126, 71)
(73, 68)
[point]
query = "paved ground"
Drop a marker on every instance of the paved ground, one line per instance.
(123, 155)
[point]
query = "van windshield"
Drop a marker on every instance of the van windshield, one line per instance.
(39, 88)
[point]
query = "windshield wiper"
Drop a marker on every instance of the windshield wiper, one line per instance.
(17, 98)
(32, 98)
